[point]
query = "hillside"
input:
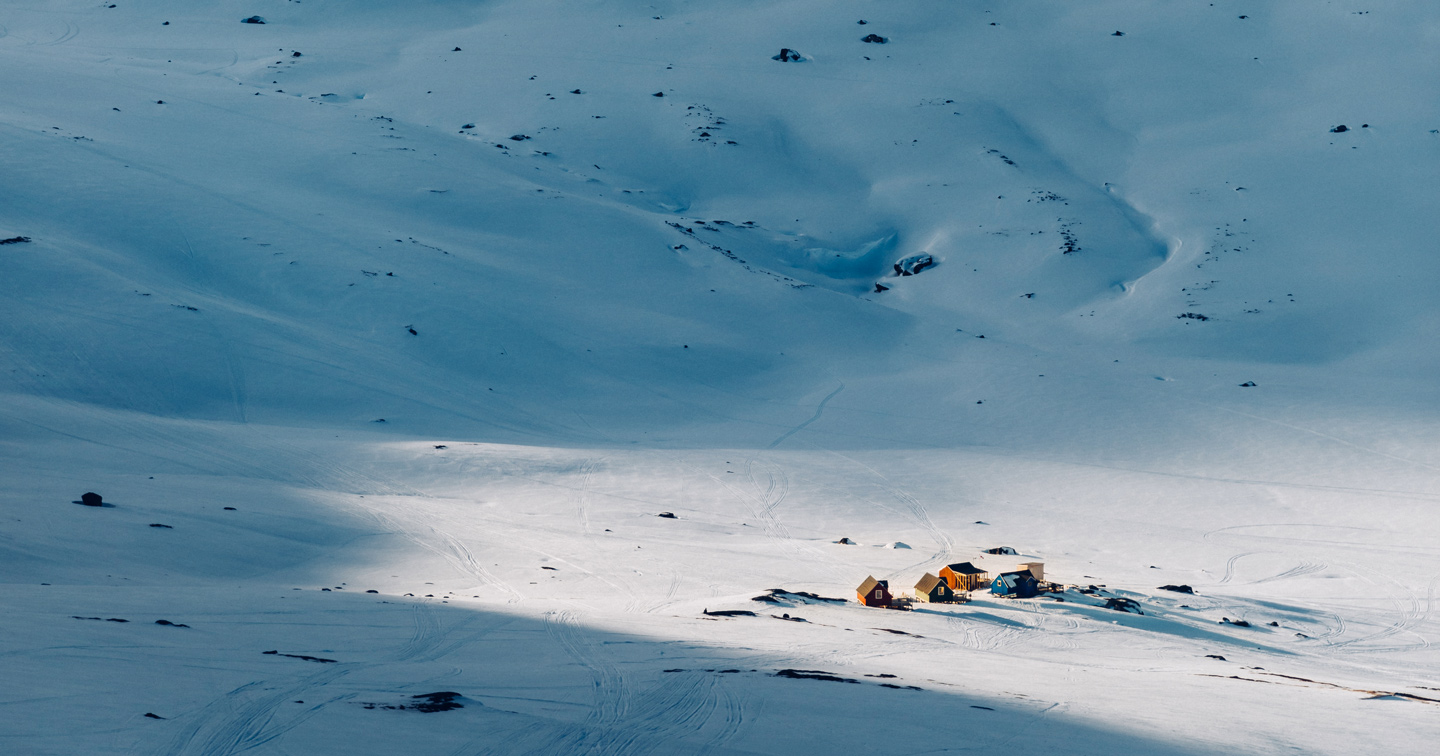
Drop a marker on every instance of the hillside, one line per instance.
(447, 300)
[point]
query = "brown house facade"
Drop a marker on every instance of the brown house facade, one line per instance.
(874, 592)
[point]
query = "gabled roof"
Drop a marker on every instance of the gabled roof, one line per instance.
(965, 568)
(871, 583)
(928, 583)
(1016, 574)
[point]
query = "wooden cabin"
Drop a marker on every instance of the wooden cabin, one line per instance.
(964, 576)
(874, 592)
(934, 590)
(1018, 584)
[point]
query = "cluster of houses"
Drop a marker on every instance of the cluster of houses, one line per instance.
(955, 583)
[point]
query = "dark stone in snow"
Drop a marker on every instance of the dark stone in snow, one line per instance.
(1001, 550)
(161, 525)
(1193, 316)
(372, 591)
(1178, 588)
(168, 623)
(429, 703)
(913, 264)
(15, 240)
(1248, 384)
(813, 674)
(519, 137)
(1118, 34)
(252, 20)
(1341, 129)
(874, 39)
(468, 126)
(1237, 623)
(879, 288)
(295, 54)
(149, 715)
(728, 613)
(667, 515)
(229, 509)
(845, 542)
(787, 55)
(658, 94)
(91, 499)
(1215, 656)
(456, 50)
(1123, 605)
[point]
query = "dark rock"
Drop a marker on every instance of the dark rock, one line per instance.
(168, 623)
(658, 94)
(986, 708)
(230, 509)
(1001, 550)
(545, 567)
(667, 515)
(576, 91)
(1215, 656)
(845, 542)
(875, 39)
(456, 50)
(252, 20)
(1341, 129)
(813, 674)
(468, 126)
(1273, 624)
(1178, 588)
(15, 240)
(519, 137)
(161, 525)
(91, 499)
(295, 54)
(149, 715)
(429, 703)
(372, 591)
(1193, 316)
(1123, 605)
(787, 55)
(1118, 34)
(1248, 384)
(879, 288)
(301, 657)
(1236, 623)
(728, 613)
(913, 264)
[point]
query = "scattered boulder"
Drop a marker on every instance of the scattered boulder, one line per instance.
(845, 542)
(229, 509)
(15, 240)
(879, 288)
(1178, 588)
(1248, 384)
(658, 94)
(897, 545)
(168, 623)
(874, 39)
(787, 56)
(92, 499)
(1001, 550)
(1215, 656)
(1341, 129)
(1236, 623)
(728, 613)
(1123, 605)
(913, 264)
(1118, 33)
(813, 674)
(151, 715)
(429, 703)
(162, 525)
(667, 515)
(252, 20)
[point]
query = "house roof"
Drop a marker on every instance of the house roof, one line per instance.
(928, 583)
(965, 568)
(871, 583)
(1016, 574)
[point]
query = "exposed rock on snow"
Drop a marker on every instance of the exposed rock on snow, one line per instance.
(913, 264)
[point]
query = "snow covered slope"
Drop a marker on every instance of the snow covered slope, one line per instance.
(449, 299)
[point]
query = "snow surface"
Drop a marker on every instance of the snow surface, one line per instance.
(454, 326)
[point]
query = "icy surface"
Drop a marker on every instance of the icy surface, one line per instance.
(386, 329)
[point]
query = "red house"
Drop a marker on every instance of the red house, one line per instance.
(874, 592)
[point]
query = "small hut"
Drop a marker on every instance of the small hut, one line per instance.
(874, 592)
(964, 576)
(1018, 584)
(934, 590)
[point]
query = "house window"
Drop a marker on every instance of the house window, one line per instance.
(879, 593)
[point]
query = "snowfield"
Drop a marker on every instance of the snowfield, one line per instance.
(387, 330)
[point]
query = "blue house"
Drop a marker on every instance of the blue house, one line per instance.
(1019, 584)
